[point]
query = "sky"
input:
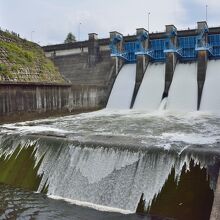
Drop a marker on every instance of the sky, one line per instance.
(49, 21)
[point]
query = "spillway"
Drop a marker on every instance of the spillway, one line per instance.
(109, 160)
(152, 87)
(183, 93)
(122, 91)
(210, 97)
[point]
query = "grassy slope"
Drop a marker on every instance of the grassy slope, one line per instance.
(18, 55)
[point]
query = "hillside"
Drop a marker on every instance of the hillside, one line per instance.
(24, 61)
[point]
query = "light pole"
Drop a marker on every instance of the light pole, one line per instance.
(206, 13)
(79, 31)
(32, 35)
(148, 22)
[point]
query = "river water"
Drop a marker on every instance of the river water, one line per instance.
(105, 160)
(16, 203)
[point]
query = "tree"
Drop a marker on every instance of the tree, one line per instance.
(70, 38)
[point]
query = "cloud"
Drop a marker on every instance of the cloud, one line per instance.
(196, 11)
(53, 19)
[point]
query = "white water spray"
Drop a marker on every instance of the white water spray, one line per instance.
(122, 91)
(210, 97)
(183, 93)
(152, 87)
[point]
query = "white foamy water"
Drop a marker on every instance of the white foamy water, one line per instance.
(151, 90)
(122, 91)
(107, 159)
(183, 93)
(163, 104)
(210, 96)
(114, 178)
(91, 205)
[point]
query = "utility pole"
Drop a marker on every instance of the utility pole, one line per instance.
(79, 31)
(148, 21)
(206, 13)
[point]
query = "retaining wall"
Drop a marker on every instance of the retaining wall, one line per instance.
(24, 101)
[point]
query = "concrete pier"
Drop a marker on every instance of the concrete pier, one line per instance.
(93, 49)
(201, 60)
(119, 47)
(201, 73)
(171, 59)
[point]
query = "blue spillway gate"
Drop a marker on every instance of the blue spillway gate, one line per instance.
(186, 50)
(187, 46)
(130, 48)
(157, 47)
(214, 42)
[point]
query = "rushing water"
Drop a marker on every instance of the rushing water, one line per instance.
(106, 159)
(210, 98)
(16, 203)
(122, 91)
(183, 90)
(152, 87)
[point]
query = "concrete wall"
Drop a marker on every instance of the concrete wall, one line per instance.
(89, 62)
(29, 101)
(90, 70)
(77, 69)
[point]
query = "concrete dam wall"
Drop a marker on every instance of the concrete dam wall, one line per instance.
(99, 61)
(84, 63)
(24, 101)
(91, 67)
(129, 161)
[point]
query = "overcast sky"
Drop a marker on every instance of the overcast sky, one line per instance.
(51, 20)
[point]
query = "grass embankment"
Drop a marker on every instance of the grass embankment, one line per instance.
(18, 55)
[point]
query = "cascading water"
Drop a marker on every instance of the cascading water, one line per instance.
(107, 159)
(152, 87)
(122, 91)
(183, 93)
(210, 97)
(114, 167)
(163, 104)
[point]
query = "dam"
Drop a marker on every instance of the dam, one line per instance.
(153, 148)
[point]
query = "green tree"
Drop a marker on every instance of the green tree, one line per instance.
(70, 38)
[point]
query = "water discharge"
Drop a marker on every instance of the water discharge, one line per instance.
(109, 158)
(210, 97)
(152, 87)
(122, 91)
(183, 93)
